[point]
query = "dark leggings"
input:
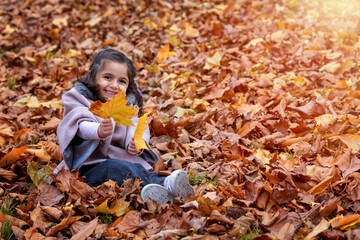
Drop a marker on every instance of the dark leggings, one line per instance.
(117, 170)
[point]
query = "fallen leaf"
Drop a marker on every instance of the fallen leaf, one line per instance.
(86, 231)
(41, 154)
(164, 54)
(12, 156)
(38, 175)
(321, 187)
(345, 222)
(48, 194)
(213, 61)
(8, 175)
(64, 223)
(118, 207)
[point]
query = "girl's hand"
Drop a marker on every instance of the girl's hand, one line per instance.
(132, 149)
(105, 128)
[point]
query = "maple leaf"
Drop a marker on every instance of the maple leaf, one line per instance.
(164, 53)
(139, 131)
(115, 108)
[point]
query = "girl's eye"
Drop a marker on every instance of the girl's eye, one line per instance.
(123, 81)
(107, 77)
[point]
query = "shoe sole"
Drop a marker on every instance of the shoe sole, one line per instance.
(182, 187)
(157, 193)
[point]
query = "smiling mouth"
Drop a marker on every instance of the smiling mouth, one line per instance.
(111, 93)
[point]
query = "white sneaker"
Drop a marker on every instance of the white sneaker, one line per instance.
(178, 184)
(157, 193)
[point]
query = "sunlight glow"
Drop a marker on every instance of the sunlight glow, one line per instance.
(335, 14)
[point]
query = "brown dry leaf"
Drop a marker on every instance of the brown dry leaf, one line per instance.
(248, 127)
(14, 221)
(7, 174)
(86, 231)
(12, 156)
(351, 140)
(64, 223)
(130, 223)
(49, 195)
(52, 211)
(322, 226)
(33, 234)
(321, 187)
(51, 125)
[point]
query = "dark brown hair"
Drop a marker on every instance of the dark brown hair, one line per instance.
(89, 80)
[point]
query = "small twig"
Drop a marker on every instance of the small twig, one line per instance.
(306, 216)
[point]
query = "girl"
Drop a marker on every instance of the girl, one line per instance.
(99, 148)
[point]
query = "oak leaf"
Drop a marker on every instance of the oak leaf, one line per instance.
(115, 108)
(139, 131)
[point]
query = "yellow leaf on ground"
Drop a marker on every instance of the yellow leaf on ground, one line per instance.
(41, 154)
(139, 131)
(213, 61)
(115, 108)
(190, 31)
(12, 156)
(119, 207)
(30, 101)
(60, 21)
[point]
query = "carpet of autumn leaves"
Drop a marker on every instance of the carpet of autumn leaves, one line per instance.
(256, 100)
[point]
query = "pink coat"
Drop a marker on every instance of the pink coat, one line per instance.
(78, 152)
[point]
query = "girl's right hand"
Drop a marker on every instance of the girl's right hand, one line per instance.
(105, 128)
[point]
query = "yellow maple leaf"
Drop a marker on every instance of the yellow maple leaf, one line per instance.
(115, 108)
(164, 53)
(139, 131)
(119, 207)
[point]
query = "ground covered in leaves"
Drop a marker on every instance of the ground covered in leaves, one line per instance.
(257, 100)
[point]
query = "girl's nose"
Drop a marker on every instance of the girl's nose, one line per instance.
(114, 84)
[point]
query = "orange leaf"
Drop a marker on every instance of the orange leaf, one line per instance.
(12, 156)
(248, 127)
(64, 223)
(14, 221)
(343, 222)
(164, 53)
(321, 186)
(20, 132)
(294, 140)
(139, 131)
(109, 42)
(115, 108)
(112, 233)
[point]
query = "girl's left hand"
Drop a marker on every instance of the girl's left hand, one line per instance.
(132, 149)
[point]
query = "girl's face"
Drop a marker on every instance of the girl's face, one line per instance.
(112, 79)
